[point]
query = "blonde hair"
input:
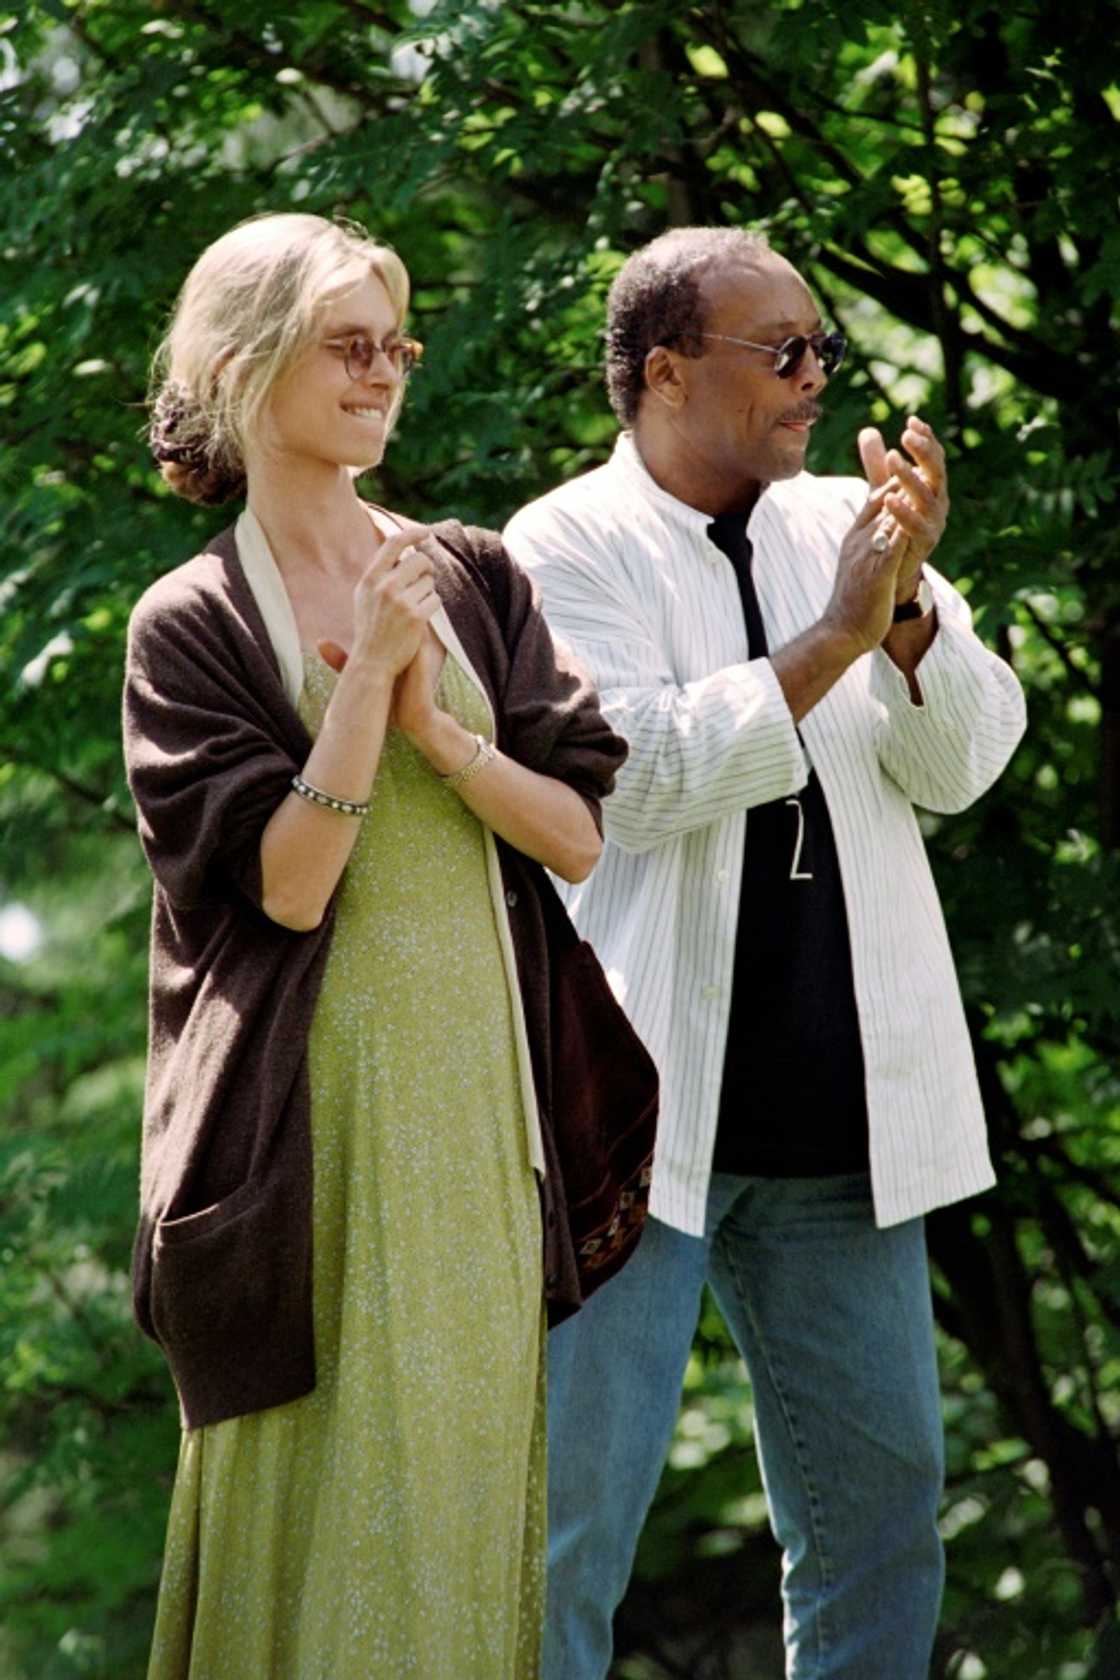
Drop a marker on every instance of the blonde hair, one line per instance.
(250, 306)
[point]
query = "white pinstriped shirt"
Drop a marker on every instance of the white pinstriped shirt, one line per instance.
(631, 581)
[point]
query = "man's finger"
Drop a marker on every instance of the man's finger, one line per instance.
(873, 506)
(873, 454)
(912, 479)
(920, 441)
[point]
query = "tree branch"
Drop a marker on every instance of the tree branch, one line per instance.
(1081, 678)
(104, 803)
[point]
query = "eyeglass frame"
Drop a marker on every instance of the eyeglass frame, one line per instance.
(410, 350)
(815, 341)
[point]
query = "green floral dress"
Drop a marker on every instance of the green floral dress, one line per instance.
(392, 1522)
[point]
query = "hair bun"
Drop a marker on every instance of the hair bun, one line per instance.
(179, 438)
(205, 484)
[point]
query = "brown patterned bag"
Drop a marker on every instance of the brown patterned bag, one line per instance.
(602, 1104)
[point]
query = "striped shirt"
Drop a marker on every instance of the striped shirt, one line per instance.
(631, 581)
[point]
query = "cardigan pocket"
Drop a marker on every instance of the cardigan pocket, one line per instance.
(190, 1226)
(230, 1298)
(213, 1274)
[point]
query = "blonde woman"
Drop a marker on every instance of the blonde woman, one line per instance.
(348, 740)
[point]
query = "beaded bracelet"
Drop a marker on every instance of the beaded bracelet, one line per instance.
(485, 752)
(316, 796)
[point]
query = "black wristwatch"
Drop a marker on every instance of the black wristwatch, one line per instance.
(916, 607)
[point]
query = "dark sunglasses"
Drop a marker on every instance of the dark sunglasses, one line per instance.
(828, 348)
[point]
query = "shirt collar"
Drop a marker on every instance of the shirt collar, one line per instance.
(627, 461)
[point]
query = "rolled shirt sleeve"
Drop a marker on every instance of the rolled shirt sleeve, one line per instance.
(947, 751)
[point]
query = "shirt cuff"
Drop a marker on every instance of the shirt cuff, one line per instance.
(939, 673)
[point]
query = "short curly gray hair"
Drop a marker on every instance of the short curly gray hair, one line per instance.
(656, 299)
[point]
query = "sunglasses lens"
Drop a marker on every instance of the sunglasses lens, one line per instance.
(831, 352)
(790, 356)
(828, 348)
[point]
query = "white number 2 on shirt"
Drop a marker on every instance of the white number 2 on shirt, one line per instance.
(796, 874)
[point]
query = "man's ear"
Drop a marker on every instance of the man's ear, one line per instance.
(663, 376)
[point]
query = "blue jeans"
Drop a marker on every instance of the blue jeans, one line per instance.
(834, 1320)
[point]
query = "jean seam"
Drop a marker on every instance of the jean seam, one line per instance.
(727, 1254)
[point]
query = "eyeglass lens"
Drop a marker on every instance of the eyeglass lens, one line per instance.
(360, 352)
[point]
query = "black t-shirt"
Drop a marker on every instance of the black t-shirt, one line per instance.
(793, 1101)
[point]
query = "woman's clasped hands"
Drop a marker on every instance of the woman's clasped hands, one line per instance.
(394, 600)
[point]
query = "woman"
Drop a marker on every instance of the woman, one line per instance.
(344, 735)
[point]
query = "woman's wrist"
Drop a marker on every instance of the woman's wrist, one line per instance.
(367, 671)
(444, 742)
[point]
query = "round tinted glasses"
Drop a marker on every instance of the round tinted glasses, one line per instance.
(358, 351)
(828, 348)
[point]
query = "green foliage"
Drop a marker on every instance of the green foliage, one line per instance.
(89, 1437)
(946, 178)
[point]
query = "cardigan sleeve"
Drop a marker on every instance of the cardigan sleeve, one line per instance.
(549, 718)
(206, 760)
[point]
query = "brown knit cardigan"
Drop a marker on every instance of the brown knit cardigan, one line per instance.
(222, 1258)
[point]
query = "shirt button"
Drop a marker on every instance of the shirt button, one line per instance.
(723, 875)
(709, 992)
(511, 899)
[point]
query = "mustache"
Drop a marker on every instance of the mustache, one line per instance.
(809, 410)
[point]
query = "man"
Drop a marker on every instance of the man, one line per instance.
(792, 677)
